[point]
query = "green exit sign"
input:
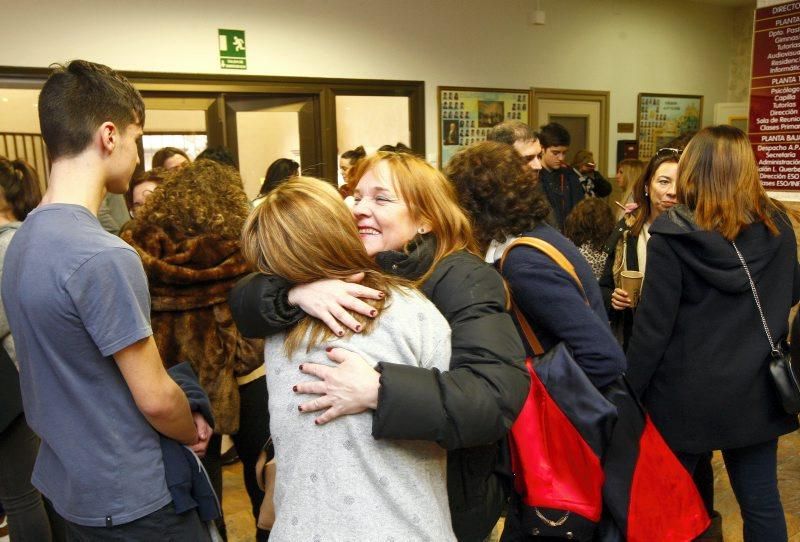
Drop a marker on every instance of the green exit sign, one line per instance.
(232, 49)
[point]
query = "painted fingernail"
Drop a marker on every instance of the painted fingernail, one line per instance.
(340, 333)
(301, 367)
(300, 408)
(373, 312)
(294, 388)
(329, 349)
(316, 422)
(381, 295)
(358, 327)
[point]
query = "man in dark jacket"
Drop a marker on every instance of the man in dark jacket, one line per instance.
(560, 183)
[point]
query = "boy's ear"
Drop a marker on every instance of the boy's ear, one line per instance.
(109, 136)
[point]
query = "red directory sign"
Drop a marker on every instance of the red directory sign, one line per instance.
(774, 126)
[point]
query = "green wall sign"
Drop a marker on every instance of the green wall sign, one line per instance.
(232, 50)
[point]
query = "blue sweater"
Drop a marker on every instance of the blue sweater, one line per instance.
(556, 310)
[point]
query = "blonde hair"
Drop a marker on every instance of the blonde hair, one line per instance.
(718, 180)
(304, 232)
(631, 169)
(430, 197)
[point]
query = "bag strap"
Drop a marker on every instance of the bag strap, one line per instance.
(554, 254)
(775, 350)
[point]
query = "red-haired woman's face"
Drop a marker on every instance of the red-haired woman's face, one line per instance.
(383, 219)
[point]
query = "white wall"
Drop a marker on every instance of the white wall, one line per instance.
(624, 46)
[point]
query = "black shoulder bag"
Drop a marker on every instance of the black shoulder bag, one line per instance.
(780, 361)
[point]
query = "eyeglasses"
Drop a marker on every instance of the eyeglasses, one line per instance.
(668, 151)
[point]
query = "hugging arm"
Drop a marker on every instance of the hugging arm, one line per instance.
(477, 400)
(263, 305)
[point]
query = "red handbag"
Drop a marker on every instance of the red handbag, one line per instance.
(575, 449)
(557, 441)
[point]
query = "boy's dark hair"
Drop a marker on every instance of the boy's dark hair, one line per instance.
(511, 131)
(220, 155)
(77, 99)
(554, 135)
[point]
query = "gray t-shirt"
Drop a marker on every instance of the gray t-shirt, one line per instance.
(335, 482)
(74, 296)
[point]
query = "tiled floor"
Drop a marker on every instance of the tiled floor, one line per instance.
(241, 526)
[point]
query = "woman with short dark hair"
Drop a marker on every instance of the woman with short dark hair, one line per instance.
(698, 356)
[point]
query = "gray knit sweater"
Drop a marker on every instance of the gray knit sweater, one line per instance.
(335, 482)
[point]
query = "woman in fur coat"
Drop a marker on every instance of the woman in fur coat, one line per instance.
(187, 235)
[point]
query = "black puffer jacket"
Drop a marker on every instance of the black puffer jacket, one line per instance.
(698, 351)
(467, 409)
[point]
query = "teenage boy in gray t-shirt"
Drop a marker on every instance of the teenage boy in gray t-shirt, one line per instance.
(94, 387)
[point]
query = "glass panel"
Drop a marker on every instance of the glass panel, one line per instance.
(371, 121)
(263, 137)
(174, 122)
(191, 144)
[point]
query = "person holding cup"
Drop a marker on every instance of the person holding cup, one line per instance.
(654, 193)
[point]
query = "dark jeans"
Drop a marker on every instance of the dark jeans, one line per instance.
(251, 437)
(753, 472)
(27, 519)
(163, 525)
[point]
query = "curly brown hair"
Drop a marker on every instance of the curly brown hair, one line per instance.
(498, 189)
(590, 221)
(200, 198)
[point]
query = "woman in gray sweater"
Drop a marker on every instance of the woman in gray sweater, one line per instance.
(338, 482)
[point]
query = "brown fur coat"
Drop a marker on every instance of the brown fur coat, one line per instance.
(189, 284)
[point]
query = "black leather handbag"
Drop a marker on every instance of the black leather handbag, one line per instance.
(780, 361)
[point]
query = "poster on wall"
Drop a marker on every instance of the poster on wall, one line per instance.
(774, 123)
(663, 117)
(467, 114)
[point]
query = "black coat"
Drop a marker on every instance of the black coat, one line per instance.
(467, 409)
(698, 350)
(563, 190)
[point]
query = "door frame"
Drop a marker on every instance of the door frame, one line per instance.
(324, 90)
(601, 97)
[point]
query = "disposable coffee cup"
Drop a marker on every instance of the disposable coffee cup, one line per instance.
(632, 283)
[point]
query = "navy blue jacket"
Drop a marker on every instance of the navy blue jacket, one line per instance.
(556, 309)
(187, 481)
